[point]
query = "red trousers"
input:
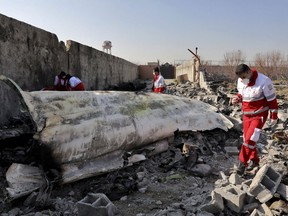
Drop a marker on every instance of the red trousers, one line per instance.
(79, 87)
(159, 90)
(252, 126)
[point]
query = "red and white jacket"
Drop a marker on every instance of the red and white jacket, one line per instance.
(158, 83)
(75, 84)
(60, 83)
(258, 96)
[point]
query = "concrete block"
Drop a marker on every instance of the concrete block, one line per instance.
(251, 206)
(222, 174)
(231, 150)
(231, 143)
(96, 205)
(256, 212)
(234, 197)
(265, 209)
(245, 187)
(219, 183)
(283, 191)
(265, 183)
(262, 210)
(216, 204)
(182, 78)
(246, 184)
(235, 179)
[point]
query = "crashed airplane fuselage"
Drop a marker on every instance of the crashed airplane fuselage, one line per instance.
(88, 132)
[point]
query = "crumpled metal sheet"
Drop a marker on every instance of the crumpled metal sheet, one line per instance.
(23, 179)
(82, 128)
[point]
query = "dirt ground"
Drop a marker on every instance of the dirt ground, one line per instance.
(161, 185)
(175, 192)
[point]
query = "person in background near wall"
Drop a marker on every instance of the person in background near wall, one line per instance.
(60, 82)
(158, 81)
(257, 95)
(74, 83)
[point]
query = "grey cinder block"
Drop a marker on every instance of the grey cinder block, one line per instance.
(265, 183)
(234, 197)
(96, 205)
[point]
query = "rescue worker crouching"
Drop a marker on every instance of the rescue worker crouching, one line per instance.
(257, 95)
(60, 82)
(74, 83)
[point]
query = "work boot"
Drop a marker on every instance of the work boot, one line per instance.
(252, 165)
(240, 168)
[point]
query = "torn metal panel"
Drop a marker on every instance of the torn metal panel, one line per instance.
(82, 128)
(23, 179)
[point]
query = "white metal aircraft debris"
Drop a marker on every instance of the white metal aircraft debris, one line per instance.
(88, 132)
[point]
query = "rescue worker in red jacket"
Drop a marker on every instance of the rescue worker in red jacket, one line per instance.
(257, 95)
(158, 81)
(60, 82)
(74, 83)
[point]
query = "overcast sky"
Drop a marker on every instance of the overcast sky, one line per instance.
(144, 31)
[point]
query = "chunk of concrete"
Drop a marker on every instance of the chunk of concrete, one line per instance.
(283, 191)
(216, 204)
(96, 204)
(231, 143)
(235, 179)
(245, 187)
(231, 150)
(262, 210)
(233, 196)
(251, 206)
(265, 183)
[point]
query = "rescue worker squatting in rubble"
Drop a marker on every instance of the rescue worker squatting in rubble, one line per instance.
(158, 81)
(257, 95)
(60, 82)
(74, 83)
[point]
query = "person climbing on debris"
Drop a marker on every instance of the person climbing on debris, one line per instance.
(257, 95)
(60, 82)
(74, 83)
(158, 81)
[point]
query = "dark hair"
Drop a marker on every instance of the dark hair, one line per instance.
(62, 73)
(68, 76)
(242, 68)
(156, 69)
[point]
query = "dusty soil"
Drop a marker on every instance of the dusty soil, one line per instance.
(161, 185)
(176, 192)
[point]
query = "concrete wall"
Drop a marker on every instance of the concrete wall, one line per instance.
(29, 55)
(146, 71)
(203, 81)
(186, 68)
(97, 69)
(187, 71)
(32, 57)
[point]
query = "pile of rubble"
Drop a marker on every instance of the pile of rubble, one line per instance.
(265, 192)
(193, 177)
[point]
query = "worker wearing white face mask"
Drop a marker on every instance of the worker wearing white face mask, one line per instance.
(158, 81)
(257, 95)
